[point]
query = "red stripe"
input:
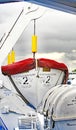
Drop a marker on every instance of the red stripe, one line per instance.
(29, 64)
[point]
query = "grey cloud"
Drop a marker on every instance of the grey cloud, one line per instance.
(71, 56)
(55, 30)
(9, 10)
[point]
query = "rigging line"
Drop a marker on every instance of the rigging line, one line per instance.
(34, 33)
(12, 28)
(58, 78)
(20, 94)
(2, 37)
(34, 26)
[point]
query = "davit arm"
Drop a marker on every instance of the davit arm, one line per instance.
(28, 13)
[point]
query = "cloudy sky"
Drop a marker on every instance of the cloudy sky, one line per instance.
(56, 33)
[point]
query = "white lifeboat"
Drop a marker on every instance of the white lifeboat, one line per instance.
(33, 78)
